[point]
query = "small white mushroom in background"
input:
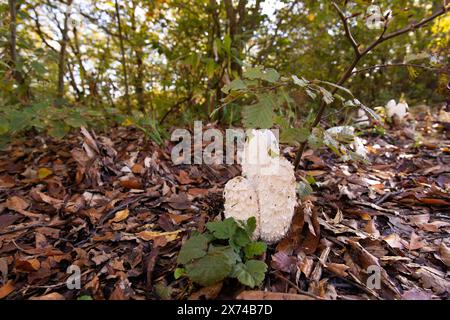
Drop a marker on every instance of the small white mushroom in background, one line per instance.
(330, 139)
(362, 120)
(359, 148)
(397, 111)
(268, 178)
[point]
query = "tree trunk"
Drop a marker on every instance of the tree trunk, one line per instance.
(18, 76)
(139, 73)
(62, 51)
(124, 62)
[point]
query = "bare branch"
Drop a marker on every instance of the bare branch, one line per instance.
(348, 32)
(383, 66)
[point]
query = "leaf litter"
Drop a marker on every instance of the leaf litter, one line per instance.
(119, 210)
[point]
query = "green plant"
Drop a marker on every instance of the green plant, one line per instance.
(225, 250)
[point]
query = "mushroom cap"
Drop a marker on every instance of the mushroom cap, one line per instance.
(261, 152)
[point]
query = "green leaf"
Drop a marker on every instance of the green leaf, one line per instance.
(4, 125)
(271, 75)
(304, 189)
(19, 120)
(260, 114)
(39, 68)
(193, 248)
(253, 73)
(75, 121)
(57, 129)
(179, 272)
(251, 273)
(223, 229)
(240, 239)
(235, 85)
(294, 135)
(210, 269)
(85, 297)
(227, 44)
(228, 251)
(251, 225)
(253, 249)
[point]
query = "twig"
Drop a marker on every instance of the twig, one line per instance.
(348, 32)
(306, 293)
(395, 65)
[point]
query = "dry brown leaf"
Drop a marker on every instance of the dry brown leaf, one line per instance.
(395, 241)
(415, 243)
(152, 235)
(371, 228)
(120, 215)
(17, 204)
(337, 268)
(6, 289)
(50, 296)
(445, 254)
(419, 218)
(27, 265)
(208, 293)
(433, 279)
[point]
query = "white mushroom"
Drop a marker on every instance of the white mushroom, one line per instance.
(277, 200)
(268, 190)
(396, 111)
(241, 201)
(362, 120)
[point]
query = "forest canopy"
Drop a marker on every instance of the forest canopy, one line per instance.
(154, 63)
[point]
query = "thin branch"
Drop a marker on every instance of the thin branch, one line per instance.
(381, 66)
(348, 32)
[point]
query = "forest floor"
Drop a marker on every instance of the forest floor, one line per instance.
(117, 208)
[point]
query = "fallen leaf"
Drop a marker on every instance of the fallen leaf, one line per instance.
(152, 235)
(207, 293)
(44, 173)
(6, 289)
(432, 279)
(371, 228)
(120, 215)
(445, 254)
(434, 202)
(337, 268)
(415, 294)
(17, 204)
(183, 177)
(50, 296)
(415, 243)
(281, 261)
(395, 241)
(28, 265)
(267, 295)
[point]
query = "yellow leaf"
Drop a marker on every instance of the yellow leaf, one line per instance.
(120, 215)
(151, 235)
(44, 173)
(127, 122)
(311, 17)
